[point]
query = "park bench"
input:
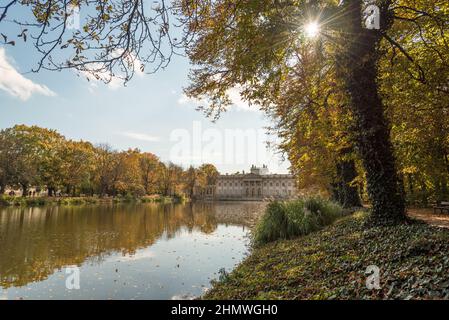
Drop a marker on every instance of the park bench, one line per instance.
(442, 206)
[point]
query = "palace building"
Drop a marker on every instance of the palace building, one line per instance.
(258, 184)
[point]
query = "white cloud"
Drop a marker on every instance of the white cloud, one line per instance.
(183, 100)
(139, 255)
(140, 136)
(16, 84)
(113, 83)
(105, 76)
(234, 94)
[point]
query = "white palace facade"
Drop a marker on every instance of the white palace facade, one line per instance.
(258, 184)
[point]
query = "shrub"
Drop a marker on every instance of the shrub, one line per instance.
(4, 200)
(18, 201)
(286, 220)
(153, 198)
(31, 202)
(179, 198)
(145, 200)
(91, 200)
(128, 197)
(75, 201)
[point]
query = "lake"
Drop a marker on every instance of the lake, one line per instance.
(122, 251)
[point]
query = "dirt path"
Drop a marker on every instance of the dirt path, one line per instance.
(427, 215)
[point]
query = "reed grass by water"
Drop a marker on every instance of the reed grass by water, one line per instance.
(291, 219)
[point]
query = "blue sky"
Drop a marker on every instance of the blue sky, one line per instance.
(150, 113)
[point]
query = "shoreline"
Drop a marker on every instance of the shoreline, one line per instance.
(16, 201)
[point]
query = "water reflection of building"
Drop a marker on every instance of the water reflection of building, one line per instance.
(258, 184)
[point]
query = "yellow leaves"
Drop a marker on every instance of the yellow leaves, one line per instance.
(410, 170)
(305, 158)
(294, 273)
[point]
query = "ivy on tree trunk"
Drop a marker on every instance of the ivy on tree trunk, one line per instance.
(345, 193)
(357, 64)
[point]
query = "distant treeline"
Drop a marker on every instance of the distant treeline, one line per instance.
(43, 158)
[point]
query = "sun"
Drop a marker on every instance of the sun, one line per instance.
(312, 29)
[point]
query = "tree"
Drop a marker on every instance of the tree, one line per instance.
(191, 180)
(77, 167)
(413, 83)
(169, 179)
(38, 157)
(209, 173)
(114, 39)
(253, 47)
(201, 177)
(127, 177)
(311, 118)
(104, 162)
(357, 69)
(21, 154)
(48, 158)
(148, 167)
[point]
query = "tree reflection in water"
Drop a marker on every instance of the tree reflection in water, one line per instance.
(35, 242)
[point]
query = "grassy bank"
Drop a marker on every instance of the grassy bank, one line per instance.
(331, 264)
(70, 201)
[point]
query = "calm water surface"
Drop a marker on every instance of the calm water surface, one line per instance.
(140, 251)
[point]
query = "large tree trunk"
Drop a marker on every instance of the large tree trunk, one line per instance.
(358, 71)
(346, 193)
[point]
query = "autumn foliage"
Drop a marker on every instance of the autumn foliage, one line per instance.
(43, 158)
